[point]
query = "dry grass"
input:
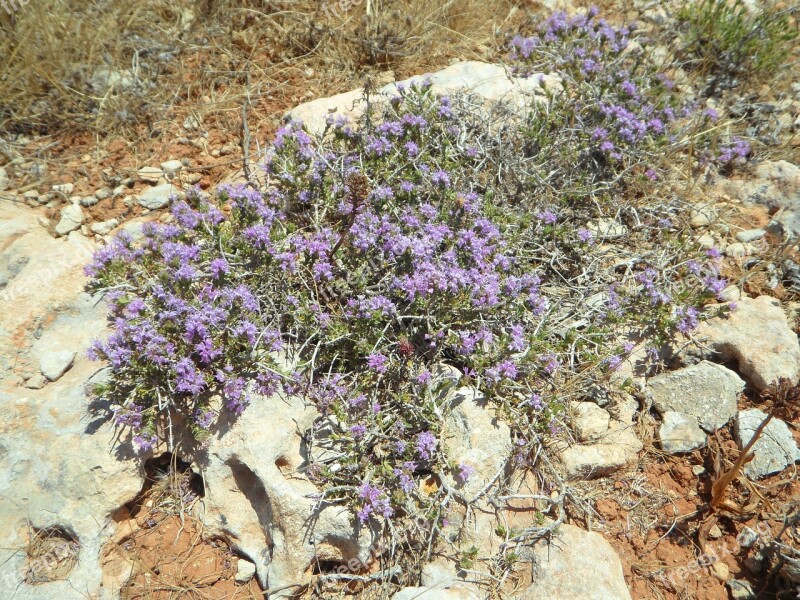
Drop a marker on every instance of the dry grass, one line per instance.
(201, 57)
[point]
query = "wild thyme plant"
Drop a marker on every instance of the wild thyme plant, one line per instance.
(385, 248)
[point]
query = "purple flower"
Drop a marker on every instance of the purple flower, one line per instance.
(465, 471)
(358, 431)
(426, 444)
(547, 217)
(377, 362)
(440, 178)
(585, 235)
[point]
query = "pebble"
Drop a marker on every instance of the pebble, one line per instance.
(750, 235)
(703, 216)
(104, 227)
(103, 193)
(715, 532)
(36, 382)
(698, 470)
(170, 167)
(89, 201)
(64, 188)
(149, 174)
(157, 197)
(706, 241)
(721, 571)
(71, 219)
(55, 364)
(740, 589)
(747, 537)
(245, 570)
(738, 250)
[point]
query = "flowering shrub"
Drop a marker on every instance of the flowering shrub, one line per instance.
(388, 247)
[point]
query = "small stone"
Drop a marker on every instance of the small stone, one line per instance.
(747, 537)
(715, 532)
(54, 364)
(36, 382)
(706, 241)
(171, 167)
(607, 229)
(104, 227)
(89, 201)
(590, 421)
(758, 337)
(64, 188)
(738, 250)
(750, 235)
(193, 178)
(730, 294)
(157, 197)
(71, 219)
(190, 123)
(103, 193)
(118, 191)
(698, 470)
(702, 216)
(149, 174)
(740, 589)
(31, 195)
(245, 570)
(680, 433)
(706, 391)
(228, 149)
(774, 450)
(721, 571)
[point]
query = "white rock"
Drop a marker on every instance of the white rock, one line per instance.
(89, 201)
(54, 364)
(730, 294)
(257, 497)
(750, 235)
(739, 250)
(171, 167)
(680, 433)
(618, 447)
(149, 174)
(489, 81)
(702, 216)
(36, 382)
(774, 450)
(706, 391)
(473, 435)
(104, 80)
(104, 227)
(158, 196)
(245, 570)
(576, 565)
(64, 188)
(56, 463)
(758, 337)
(706, 241)
(590, 421)
(103, 193)
(71, 219)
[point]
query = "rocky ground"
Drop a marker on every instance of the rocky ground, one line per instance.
(642, 500)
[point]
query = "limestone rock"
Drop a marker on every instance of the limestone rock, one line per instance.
(680, 433)
(71, 219)
(57, 468)
(590, 421)
(244, 571)
(258, 500)
(65, 189)
(576, 565)
(104, 227)
(158, 196)
(702, 216)
(750, 235)
(758, 337)
(170, 167)
(706, 391)
(774, 450)
(149, 174)
(489, 81)
(617, 447)
(472, 435)
(54, 364)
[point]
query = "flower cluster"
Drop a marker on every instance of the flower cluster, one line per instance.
(387, 248)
